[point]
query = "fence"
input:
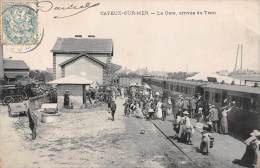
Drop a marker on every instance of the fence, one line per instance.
(36, 102)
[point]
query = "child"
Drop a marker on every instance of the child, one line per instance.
(205, 141)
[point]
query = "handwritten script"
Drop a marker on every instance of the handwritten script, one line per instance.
(46, 6)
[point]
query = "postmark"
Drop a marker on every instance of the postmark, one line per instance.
(19, 25)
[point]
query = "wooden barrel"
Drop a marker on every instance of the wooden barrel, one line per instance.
(211, 141)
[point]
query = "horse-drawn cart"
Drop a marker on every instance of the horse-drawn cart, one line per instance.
(12, 94)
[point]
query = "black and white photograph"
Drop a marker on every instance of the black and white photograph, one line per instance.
(130, 84)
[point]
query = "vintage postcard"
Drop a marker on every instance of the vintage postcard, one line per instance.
(129, 84)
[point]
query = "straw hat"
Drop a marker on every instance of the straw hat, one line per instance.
(186, 113)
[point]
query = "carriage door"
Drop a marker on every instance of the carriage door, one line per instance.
(84, 94)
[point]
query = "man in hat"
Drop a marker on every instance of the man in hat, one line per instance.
(185, 128)
(193, 107)
(180, 106)
(32, 123)
(66, 99)
(186, 104)
(113, 109)
(164, 109)
(213, 117)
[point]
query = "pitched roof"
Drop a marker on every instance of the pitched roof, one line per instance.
(73, 79)
(236, 88)
(15, 64)
(79, 45)
(79, 56)
(115, 67)
(190, 82)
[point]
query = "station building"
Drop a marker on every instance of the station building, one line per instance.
(89, 58)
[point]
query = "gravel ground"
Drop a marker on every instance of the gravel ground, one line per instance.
(92, 140)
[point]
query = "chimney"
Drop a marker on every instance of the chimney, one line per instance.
(78, 36)
(91, 36)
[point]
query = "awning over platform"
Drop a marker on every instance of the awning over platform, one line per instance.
(73, 79)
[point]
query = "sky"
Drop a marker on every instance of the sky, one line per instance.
(205, 43)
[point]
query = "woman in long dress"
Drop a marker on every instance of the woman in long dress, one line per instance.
(250, 157)
(169, 109)
(224, 121)
(159, 109)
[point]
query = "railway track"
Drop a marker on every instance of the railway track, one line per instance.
(174, 144)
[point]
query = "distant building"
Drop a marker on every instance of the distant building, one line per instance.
(127, 81)
(89, 58)
(14, 69)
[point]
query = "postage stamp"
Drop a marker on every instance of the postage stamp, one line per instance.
(19, 23)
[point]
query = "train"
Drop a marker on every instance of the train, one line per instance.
(244, 116)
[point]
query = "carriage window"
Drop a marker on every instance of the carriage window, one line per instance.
(217, 97)
(207, 95)
(253, 104)
(237, 101)
(246, 104)
(212, 97)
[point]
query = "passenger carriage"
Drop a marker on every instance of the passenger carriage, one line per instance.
(245, 115)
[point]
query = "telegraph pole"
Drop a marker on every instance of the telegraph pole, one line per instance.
(1, 62)
(241, 63)
(235, 68)
(1, 47)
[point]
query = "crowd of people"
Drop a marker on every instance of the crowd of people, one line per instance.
(148, 104)
(156, 105)
(202, 111)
